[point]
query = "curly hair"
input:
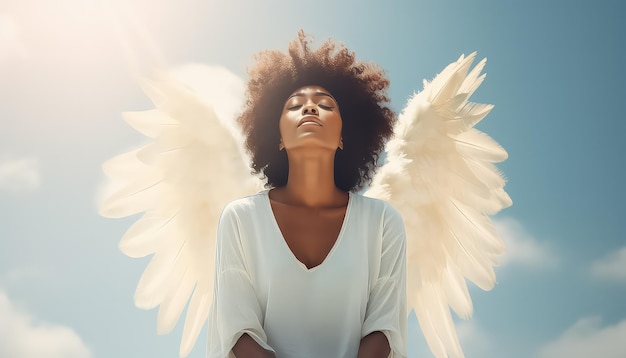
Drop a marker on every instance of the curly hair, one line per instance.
(359, 88)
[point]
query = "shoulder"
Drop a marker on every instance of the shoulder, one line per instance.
(382, 217)
(245, 206)
(378, 207)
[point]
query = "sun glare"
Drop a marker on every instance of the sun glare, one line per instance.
(9, 38)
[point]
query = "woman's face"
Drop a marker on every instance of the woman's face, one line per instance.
(311, 118)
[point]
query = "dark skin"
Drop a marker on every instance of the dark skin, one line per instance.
(310, 209)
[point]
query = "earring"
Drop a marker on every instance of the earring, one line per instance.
(281, 146)
(341, 143)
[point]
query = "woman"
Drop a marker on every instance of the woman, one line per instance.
(307, 267)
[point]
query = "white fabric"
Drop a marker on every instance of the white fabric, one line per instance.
(263, 290)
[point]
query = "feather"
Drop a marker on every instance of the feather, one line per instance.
(197, 314)
(150, 123)
(146, 234)
(478, 145)
(172, 179)
(440, 175)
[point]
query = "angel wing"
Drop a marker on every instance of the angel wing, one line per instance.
(440, 175)
(181, 179)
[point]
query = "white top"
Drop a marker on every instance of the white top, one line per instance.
(263, 290)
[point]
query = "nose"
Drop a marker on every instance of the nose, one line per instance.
(309, 108)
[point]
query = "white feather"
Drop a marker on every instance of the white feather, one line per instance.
(439, 174)
(146, 234)
(181, 180)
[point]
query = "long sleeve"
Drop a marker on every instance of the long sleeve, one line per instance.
(386, 307)
(235, 309)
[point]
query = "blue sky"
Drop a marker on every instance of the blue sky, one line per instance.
(555, 74)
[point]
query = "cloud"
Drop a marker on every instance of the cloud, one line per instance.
(474, 340)
(611, 267)
(23, 337)
(19, 175)
(586, 338)
(521, 247)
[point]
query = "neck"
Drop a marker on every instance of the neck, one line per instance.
(311, 180)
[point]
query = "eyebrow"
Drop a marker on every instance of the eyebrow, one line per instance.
(317, 94)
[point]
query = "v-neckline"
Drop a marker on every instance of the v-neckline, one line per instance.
(286, 246)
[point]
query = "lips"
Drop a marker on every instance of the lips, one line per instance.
(309, 120)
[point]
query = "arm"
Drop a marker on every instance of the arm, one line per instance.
(235, 319)
(248, 348)
(374, 345)
(385, 325)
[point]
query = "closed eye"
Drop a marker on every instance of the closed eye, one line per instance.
(322, 106)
